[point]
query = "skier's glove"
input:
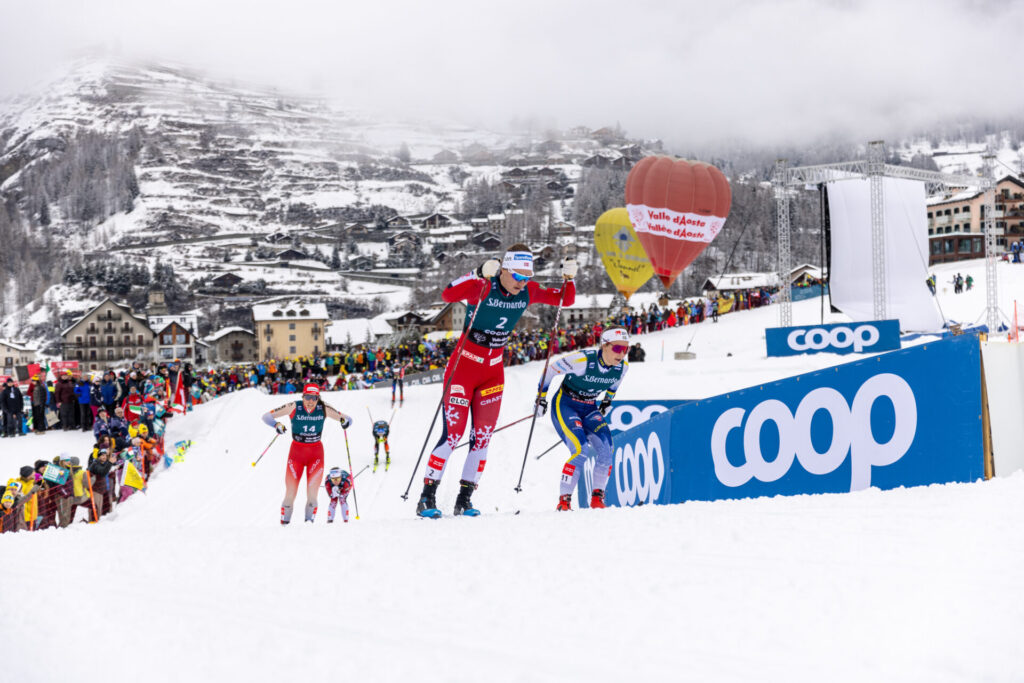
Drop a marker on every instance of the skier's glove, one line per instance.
(489, 268)
(345, 421)
(541, 406)
(281, 429)
(605, 405)
(569, 268)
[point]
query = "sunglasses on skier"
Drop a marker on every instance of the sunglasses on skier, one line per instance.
(309, 397)
(520, 278)
(620, 348)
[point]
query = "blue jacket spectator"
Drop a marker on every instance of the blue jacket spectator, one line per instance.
(109, 391)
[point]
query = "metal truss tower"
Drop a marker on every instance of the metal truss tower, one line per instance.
(782, 243)
(989, 228)
(875, 169)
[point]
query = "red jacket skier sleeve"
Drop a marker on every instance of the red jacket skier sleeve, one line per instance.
(550, 295)
(468, 288)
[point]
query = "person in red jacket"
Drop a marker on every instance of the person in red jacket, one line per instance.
(338, 485)
(132, 405)
(475, 376)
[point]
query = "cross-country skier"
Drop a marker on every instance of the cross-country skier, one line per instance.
(381, 429)
(475, 376)
(307, 452)
(398, 382)
(338, 484)
(578, 418)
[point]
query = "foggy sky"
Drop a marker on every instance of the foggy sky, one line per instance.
(752, 71)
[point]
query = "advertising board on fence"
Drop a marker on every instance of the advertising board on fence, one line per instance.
(861, 337)
(622, 416)
(58, 367)
(886, 421)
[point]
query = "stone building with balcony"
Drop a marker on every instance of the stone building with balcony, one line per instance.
(108, 336)
(955, 230)
(290, 329)
(233, 345)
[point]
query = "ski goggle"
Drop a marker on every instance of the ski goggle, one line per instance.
(620, 348)
(520, 278)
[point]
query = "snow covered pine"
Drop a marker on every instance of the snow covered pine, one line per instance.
(307, 452)
(497, 294)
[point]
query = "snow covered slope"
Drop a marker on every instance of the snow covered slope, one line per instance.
(200, 582)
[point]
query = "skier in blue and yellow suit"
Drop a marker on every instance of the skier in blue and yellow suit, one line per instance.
(578, 418)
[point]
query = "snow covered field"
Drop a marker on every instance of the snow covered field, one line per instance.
(197, 581)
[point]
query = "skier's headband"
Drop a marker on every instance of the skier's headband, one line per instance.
(518, 260)
(615, 335)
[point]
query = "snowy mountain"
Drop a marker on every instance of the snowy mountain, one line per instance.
(869, 585)
(117, 163)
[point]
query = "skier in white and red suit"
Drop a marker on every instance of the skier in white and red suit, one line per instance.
(502, 289)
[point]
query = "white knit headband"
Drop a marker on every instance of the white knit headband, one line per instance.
(518, 260)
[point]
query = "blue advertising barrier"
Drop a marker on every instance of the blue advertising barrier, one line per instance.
(809, 292)
(906, 418)
(622, 416)
(863, 337)
(628, 414)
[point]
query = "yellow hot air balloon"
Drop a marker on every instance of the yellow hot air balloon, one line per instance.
(623, 256)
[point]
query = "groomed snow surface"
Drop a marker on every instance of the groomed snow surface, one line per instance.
(196, 580)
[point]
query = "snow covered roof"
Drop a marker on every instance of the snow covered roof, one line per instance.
(189, 320)
(289, 311)
(357, 330)
(123, 307)
(226, 331)
(811, 270)
(18, 346)
(731, 281)
(958, 197)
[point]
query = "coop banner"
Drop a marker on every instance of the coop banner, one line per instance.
(886, 421)
(623, 415)
(865, 337)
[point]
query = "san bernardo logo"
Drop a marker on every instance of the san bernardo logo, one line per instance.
(852, 434)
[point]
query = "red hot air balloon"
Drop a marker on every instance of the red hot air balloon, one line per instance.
(676, 207)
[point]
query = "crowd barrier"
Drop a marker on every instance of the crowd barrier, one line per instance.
(62, 502)
(906, 418)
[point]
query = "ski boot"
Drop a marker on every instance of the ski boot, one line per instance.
(310, 512)
(597, 499)
(565, 502)
(427, 505)
(463, 504)
(286, 514)
(376, 461)
(387, 463)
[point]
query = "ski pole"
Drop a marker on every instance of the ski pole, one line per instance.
(458, 355)
(540, 384)
(548, 450)
(360, 471)
(266, 449)
(355, 498)
(510, 424)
